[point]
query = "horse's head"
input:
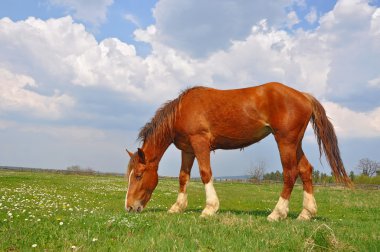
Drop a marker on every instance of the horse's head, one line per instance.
(142, 180)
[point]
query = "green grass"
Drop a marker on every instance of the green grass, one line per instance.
(57, 212)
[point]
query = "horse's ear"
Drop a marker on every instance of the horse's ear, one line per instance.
(141, 155)
(129, 153)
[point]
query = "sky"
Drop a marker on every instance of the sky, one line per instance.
(78, 79)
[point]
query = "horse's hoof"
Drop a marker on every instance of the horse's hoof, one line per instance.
(208, 211)
(305, 215)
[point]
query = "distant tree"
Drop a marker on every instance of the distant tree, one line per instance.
(78, 169)
(316, 176)
(257, 171)
(278, 176)
(74, 168)
(324, 178)
(368, 167)
(269, 176)
(352, 175)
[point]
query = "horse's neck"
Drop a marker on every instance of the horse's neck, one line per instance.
(154, 150)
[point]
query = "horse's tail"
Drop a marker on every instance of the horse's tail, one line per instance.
(327, 141)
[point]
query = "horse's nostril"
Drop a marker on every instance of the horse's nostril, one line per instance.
(129, 209)
(139, 209)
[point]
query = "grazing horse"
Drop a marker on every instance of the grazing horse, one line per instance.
(204, 119)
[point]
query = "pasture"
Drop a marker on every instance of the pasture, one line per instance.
(57, 212)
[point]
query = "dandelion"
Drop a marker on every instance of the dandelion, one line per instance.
(94, 239)
(34, 245)
(61, 223)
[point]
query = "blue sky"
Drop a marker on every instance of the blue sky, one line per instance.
(78, 80)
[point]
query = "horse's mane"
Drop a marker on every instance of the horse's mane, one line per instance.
(161, 125)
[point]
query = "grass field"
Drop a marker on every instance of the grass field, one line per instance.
(56, 212)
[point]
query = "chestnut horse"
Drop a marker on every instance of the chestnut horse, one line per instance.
(204, 119)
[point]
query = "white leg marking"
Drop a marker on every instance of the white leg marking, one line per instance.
(212, 201)
(309, 207)
(126, 196)
(180, 204)
(280, 211)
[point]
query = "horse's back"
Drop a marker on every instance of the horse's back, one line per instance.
(238, 117)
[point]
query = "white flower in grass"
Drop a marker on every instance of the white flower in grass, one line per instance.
(34, 245)
(73, 247)
(61, 223)
(94, 239)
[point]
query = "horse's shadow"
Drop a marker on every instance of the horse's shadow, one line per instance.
(254, 213)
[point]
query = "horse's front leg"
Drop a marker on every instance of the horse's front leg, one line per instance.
(202, 152)
(184, 177)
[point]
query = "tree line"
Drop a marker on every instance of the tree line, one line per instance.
(368, 173)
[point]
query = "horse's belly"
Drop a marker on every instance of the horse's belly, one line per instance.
(237, 141)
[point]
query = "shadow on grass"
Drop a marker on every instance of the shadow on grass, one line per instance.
(257, 213)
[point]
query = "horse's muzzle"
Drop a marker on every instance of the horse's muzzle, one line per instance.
(137, 209)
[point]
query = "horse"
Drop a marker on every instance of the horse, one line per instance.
(202, 119)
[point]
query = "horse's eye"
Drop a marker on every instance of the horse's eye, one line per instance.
(138, 176)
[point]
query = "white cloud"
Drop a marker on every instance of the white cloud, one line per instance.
(292, 19)
(15, 96)
(314, 61)
(312, 16)
(354, 51)
(132, 19)
(352, 124)
(374, 82)
(63, 53)
(202, 27)
(375, 23)
(94, 11)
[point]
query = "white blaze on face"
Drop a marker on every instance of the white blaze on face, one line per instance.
(129, 183)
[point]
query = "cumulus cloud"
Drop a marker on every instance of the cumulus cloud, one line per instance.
(202, 27)
(64, 54)
(94, 11)
(56, 69)
(353, 50)
(352, 124)
(329, 61)
(15, 96)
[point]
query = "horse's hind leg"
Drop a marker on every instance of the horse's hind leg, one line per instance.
(184, 176)
(289, 160)
(309, 205)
